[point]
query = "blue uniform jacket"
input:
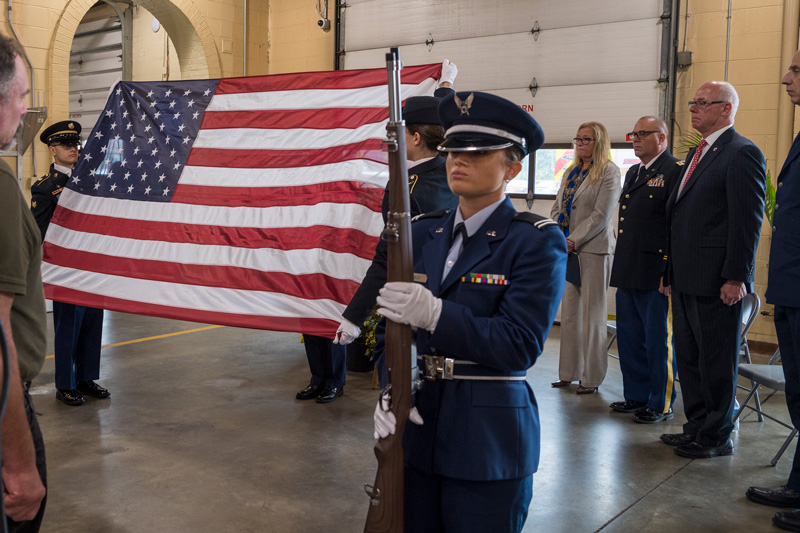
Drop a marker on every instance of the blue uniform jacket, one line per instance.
(784, 253)
(485, 430)
(428, 191)
(45, 193)
(641, 252)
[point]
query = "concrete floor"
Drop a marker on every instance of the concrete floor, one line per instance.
(203, 434)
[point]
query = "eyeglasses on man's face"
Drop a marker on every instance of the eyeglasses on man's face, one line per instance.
(702, 104)
(582, 140)
(640, 134)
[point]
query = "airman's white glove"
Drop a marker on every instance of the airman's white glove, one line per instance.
(449, 72)
(386, 423)
(347, 332)
(410, 303)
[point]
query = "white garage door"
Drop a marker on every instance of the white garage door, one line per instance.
(591, 60)
(95, 66)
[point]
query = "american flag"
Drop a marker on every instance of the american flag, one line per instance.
(250, 202)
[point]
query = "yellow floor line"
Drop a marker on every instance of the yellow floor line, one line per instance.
(154, 337)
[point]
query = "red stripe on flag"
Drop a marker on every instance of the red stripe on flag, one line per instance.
(311, 326)
(369, 150)
(336, 240)
(343, 79)
(284, 119)
(307, 286)
(340, 192)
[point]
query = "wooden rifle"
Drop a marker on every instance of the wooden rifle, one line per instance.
(386, 495)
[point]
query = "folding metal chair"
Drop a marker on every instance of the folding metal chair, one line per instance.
(751, 305)
(769, 375)
(612, 330)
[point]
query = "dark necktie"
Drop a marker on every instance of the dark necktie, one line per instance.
(462, 229)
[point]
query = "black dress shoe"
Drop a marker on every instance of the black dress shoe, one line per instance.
(695, 450)
(93, 390)
(676, 439)
(70, 397)
(645, 415)
(628, 406)
(780, 497)
(330, 394)
(788, 520)
(309, 393)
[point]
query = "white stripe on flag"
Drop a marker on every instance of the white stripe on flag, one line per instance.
(296, 261)
(344, 216)
(294, 139)
(195, 297)
(377, 96)
(360, 171)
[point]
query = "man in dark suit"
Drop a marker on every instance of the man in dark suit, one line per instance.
(644, 330)
(714, 217)
(784, 292)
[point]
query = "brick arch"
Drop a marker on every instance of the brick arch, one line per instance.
(189, 31)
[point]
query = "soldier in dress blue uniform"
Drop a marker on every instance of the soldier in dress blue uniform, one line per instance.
(783, 291)
(78, 329)
(488, 282)
(427, 189)
(427, 183)
(644, 325)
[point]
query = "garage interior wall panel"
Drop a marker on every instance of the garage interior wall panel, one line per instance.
(591, 60)
(95, 66)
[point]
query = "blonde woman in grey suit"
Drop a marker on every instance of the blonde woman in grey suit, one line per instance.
(583, 209)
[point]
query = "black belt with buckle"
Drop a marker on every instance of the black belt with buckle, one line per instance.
(435, 367)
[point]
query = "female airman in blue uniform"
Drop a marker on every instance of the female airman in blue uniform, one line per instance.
(488, 284)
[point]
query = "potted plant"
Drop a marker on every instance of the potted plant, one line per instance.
(361, 352)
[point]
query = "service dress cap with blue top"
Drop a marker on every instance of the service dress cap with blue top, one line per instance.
(475, 121)
(422, 110)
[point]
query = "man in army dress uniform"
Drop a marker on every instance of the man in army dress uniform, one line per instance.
(78, 329)
(644, 324)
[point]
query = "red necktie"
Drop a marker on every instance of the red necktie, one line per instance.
(702, 144)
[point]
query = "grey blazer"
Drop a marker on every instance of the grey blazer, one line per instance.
(590, 226)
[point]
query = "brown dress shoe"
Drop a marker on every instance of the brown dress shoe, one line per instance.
(560, 384)
(585, 390)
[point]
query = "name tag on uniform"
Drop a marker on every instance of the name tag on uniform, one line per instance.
(488, 279)
(420, 278)
(658, 181)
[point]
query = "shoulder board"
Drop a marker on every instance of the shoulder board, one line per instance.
(41, 180)
(680, 163)
(537, 220)
(433, 214)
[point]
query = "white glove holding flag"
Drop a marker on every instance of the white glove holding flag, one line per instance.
(347, 333)
(410, 303)
(386, 423)
(449, 72)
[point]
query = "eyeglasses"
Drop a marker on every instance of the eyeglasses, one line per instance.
(703, 104)
(582, 140)
(67, 145)
(640, 134)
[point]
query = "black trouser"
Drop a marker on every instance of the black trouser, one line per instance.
(32, 526)
(707, 336)
(787, 326)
